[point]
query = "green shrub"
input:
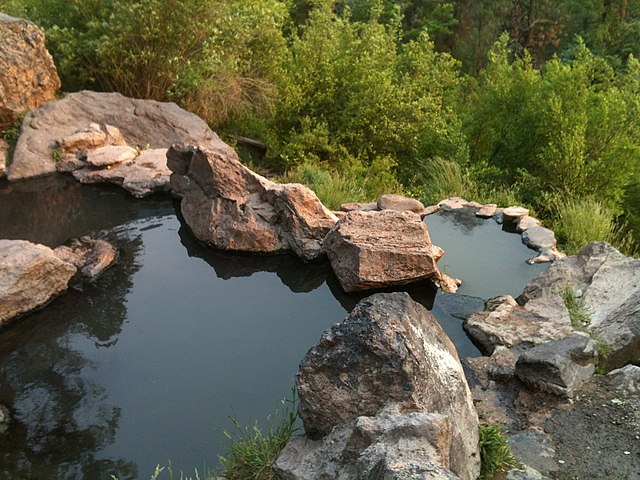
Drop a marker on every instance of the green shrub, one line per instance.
(350, 184)
(495, 454)
(578, 221)
(252, 452)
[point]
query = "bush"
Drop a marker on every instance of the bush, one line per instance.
(353, 184)
(578, 221)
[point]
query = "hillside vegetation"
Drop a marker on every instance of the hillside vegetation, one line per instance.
(535, 102)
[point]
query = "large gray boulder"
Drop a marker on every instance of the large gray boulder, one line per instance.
(505, 323)
(560, 367)
(390, 445)
(30, 276)
(609, 283)
(142, 123)
(389, 351)
(230, 207)
(379, 249)
(28, 76)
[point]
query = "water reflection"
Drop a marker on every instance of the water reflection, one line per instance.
(62, 417)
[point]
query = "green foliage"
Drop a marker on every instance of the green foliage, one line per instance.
(577, 221)
(353, 91)
(354, 183)
(252, 452)
(11, 134)
(495, 454)
(578, 313)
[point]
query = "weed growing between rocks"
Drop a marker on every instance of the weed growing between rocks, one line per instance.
(495, 453)
(252, 452)
(578, 313)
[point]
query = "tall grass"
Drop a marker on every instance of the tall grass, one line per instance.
(578, 221)
(334, 187)
(252, 452)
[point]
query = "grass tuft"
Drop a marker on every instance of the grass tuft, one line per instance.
(495, 453)
(252, 452)
(578, 313)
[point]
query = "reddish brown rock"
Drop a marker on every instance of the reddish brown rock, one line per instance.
(28, 76)
(142, 123)
(230, 207)
(391, 201)
(30, 276)
(379, 249)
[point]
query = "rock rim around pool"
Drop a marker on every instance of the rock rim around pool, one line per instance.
(143, 124)
(28, 76)
(228, 206)
(31, 275)
(369, 250)
(390, 351)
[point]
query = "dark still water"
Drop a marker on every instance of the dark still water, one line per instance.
(147, 365)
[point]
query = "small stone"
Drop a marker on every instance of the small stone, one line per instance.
(539, 238)
(391, 201)
(526, 223)
(430, 210)
(110, 155)
(513, 214)
(360, 207)
(487, 211)
(453, 203)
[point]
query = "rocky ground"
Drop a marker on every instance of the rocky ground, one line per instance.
(599, 436)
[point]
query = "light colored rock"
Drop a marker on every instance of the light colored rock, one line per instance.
(430, 210)
(28, 76)
(4, 419)
(91, 257)
(390, 445)
(546, 255)
(142, 123)
(539, 238)
(487, 211)
(526, 222)
(91, 137)
(389, 351)
(391, 201)
(230, 207)
(514, 214)
(626, 379)
(4, 153)
(111, 154)
(30, 276)
(610, 285)
(504, 322)
(362, 207)
(378, 249)
(453, 203)
(145, 174)
(560, 367)
(474, 205)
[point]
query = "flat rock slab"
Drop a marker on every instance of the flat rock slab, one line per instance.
(30, 276)
(230, 207)
(378, 249)
(505, 323)
(143, 175)
(110, 155)
(355, 206)
(560, 367)
(539, 238)
(610, 286)
(526, 222)
(91, 137)
(143, 124)
(487, 211)
(391, 201)
(453, 203)
(389, 351)
(514, 214)
(28, 76)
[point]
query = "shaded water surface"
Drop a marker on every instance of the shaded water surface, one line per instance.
(148, 364)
